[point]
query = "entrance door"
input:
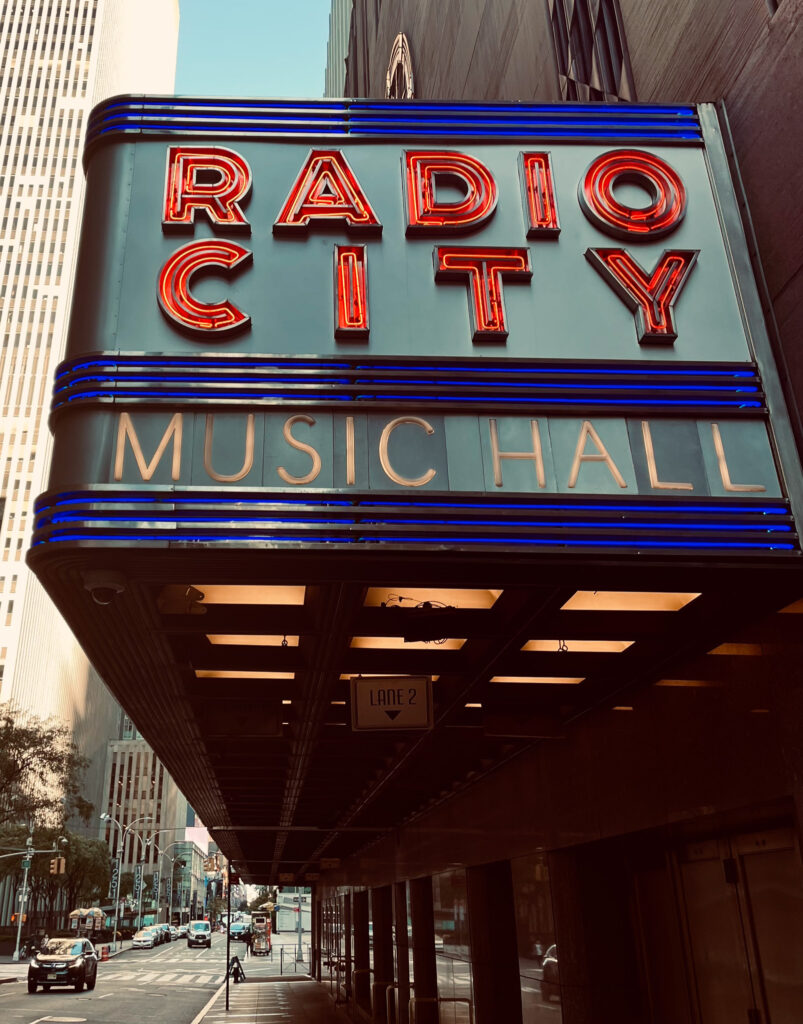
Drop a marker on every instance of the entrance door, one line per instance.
(743, 904)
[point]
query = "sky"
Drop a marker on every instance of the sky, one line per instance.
(266, 48)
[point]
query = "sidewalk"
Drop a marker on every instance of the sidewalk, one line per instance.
(282, 1002)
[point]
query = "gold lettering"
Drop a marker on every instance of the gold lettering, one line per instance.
(351, 473)
(384, 439)
(301, 447)
(535, 456)
(724, 472)
(125, 429)
(248, 460)
(587, 431)
(655, 483)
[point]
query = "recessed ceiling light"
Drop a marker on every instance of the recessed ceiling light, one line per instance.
(337, 702)
(699, 683)
(577, 646)
(376, 675)
(473, 705)
(287, 702)
(749, 650)
(410, 597)
(622, 707)
(398, 643)
(257, 640)
(550, 680)
(214, 673)
(215, 593)
(627, 601)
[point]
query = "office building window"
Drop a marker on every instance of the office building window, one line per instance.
(590, 51)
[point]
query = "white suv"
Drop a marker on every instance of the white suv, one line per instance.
(199, 933)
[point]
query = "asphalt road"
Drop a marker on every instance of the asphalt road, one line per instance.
(167, 985)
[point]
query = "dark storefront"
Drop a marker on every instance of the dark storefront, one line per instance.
(425, 488)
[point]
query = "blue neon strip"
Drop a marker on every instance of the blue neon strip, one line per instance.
(123, 362)
(488, 367)
(525, 400)
(535, 400)
(533, 524)
(347, 117)
(169, 499)
(127, 380)
(519, 541)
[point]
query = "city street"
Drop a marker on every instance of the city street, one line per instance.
(168, 984)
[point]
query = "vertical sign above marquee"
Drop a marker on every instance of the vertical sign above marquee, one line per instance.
(545, 309)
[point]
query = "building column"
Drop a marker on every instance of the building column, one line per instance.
(402, 953)
(347, 943)
(424, 967)
(361, 980)
(494, 950)
(382, 918)
(316, 936)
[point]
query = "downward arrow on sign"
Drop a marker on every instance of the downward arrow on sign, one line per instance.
(392, 714)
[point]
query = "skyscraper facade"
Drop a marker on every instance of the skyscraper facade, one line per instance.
(59, 57)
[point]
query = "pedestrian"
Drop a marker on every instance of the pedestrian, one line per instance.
(247, 942)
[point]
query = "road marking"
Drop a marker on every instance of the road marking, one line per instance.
(211, 1002)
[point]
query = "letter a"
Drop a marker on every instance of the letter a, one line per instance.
(327, 190)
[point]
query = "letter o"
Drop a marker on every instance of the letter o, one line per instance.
(667, 192)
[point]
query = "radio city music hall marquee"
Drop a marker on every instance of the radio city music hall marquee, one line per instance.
(514, 309)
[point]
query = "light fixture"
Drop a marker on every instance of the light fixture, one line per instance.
(627, 601)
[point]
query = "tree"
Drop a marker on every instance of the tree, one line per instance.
(126, 885)
(86, 880)
(41, 771)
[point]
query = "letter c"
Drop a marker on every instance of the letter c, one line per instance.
(384, 439)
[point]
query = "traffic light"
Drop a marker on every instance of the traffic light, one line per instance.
(54, 866)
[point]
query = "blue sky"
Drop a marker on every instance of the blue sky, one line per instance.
(265, 48)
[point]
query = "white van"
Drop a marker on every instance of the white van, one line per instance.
(199, 933)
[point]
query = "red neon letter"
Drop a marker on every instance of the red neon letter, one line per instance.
(650, 298)
(227, 180)
(655, 176)
(351, 293)
(327, 190)
(483, 269)
(535, 170)
(426, 214)
(174, 287)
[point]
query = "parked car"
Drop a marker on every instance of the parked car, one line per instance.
(173, 932)
(145, 938)
(550, 985)
(72, 962)
(165, 931)
(199, 933)
(182, 931)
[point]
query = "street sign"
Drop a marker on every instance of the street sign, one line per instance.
(137, 883)
(26, 864)
(114, 880)
(391, 702)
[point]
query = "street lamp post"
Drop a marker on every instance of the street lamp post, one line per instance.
(124, 830)
(164, 853)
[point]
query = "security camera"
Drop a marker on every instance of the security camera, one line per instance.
(104, 586)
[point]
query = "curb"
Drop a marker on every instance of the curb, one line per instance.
(8, 981)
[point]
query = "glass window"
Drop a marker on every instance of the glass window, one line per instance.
(452, 945)
(535, 933)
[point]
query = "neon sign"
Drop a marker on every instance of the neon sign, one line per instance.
(327, 196)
